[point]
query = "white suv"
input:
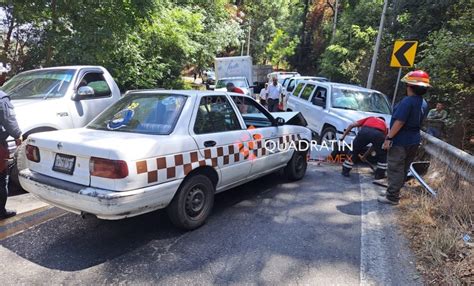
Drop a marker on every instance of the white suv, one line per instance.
(330, 107)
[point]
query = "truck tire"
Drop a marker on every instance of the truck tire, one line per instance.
(329, 133)
(296, 167)
(193, 203)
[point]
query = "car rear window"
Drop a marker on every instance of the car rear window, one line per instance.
(142, 113)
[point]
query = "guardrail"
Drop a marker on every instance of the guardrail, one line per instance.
(455, 159)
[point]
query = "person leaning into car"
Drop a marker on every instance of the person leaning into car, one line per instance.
(9, 127)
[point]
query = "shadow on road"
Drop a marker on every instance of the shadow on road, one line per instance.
(268, 223)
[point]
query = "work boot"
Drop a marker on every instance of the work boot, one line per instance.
(385, 200)
(6, 214)
(346, 171)
(380, 174)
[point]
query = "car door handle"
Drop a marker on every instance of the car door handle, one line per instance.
(209, 143)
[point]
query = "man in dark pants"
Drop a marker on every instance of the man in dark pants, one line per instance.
(373, 131)
(274, 91)
(8, 127)
(404, 138)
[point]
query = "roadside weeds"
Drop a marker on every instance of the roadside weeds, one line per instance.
(436, 227)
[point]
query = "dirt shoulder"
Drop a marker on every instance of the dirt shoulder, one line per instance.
(439, 228)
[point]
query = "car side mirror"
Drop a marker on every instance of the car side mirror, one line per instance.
(280, 121)
(83, 92)
(290, 88)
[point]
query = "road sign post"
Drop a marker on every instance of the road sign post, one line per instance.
(396, 87)
(403, 55)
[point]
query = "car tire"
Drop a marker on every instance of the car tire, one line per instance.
(329, 133)
(193, 203)
(296, 167)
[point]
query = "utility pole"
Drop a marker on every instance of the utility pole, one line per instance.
(335, 21)
(377, 46)
(248, 40)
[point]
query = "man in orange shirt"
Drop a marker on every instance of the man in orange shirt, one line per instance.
(372, 131)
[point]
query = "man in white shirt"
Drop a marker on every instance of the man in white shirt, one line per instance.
(274, 91)
(263, 95)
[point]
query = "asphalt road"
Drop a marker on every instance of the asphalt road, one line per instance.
(322, 230)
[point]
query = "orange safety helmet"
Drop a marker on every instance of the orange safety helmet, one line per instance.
(417, 77)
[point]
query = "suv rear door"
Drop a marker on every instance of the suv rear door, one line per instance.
(293, 98)
(306, 107)
(318, 103)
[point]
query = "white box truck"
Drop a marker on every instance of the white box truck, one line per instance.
(234, 67)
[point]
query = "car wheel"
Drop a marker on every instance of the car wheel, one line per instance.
(193, 203)
(329, 133)
(296, 167)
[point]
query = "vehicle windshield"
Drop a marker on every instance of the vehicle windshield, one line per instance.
(353, 99)
(222, 83)
(142, 113)
(39, 84)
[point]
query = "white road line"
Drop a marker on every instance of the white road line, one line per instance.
(374, 266)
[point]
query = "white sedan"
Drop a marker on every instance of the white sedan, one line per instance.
(163, 149)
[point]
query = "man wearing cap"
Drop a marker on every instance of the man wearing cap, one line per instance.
(404, 137)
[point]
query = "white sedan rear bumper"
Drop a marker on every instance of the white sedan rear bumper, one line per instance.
(104, 204)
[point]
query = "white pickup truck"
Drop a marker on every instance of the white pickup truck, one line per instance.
(59, 98)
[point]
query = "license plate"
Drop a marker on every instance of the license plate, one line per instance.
(64, 163)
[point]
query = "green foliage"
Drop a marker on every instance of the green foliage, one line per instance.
(144, 43)
(346, 59)
(266, 18)
(443, 28)
(449, 57)
(281, 47)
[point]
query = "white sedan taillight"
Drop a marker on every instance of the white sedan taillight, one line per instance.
(32, 153)
(110, 169)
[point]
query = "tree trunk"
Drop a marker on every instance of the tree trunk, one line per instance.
(7, 41)
(302, 45)
(49, 52)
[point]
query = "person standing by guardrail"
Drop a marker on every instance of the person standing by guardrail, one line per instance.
(404, 137)
(8, 127)
(436, 120)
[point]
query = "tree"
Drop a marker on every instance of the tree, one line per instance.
(281, 47)
(449, 57)
(144, 43)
